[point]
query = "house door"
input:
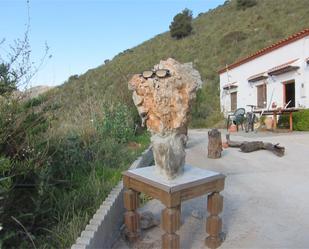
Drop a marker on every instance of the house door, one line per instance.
(233, 101)
(289, 93)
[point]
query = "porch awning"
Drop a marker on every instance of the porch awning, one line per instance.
(257, 77)
(283, 68)
(230, 86)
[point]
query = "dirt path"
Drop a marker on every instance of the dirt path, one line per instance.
(266, 198)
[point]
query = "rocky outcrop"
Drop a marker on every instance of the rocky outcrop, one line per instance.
(164, 106)
(30, 93)
(36, 91)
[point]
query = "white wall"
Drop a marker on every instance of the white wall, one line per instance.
(247, 92)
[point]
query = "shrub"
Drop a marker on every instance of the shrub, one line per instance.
(181, 25)
(36, 101)
(73, 77)
(23, 166)
(117, 123)
(283, 122)
(7, 81)
(53, 184)
(244, 4)
(226, 2)
(301, 120)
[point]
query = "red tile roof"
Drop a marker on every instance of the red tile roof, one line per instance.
(266, 50)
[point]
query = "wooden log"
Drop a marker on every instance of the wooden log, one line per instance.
(275, 148)
(232, 143)
(214, 144)
(247, 147)
(251, 146)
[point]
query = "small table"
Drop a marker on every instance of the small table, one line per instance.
(193, 183)
(278, 111)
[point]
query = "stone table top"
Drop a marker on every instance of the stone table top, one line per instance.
(191, 177)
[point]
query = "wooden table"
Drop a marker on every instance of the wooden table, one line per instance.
(276, 112)
(193, 183)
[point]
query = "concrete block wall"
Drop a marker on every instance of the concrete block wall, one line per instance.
(103, 229)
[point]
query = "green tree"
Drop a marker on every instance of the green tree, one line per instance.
(21, 139)
(7, 79)
(181, 25)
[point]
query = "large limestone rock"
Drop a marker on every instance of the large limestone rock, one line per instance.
(169, 154)
(164, 106)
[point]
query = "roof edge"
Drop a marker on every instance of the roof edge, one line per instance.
(266, 50)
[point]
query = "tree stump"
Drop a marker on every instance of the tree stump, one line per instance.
(214, 144)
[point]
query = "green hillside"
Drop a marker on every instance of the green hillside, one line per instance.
(220, 36)
(62, 152)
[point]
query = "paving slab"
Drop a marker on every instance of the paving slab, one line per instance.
(266, 198)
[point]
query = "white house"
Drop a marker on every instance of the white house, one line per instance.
(275, 76)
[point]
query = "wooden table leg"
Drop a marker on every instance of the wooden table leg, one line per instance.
(170, 224)
(131, 217)
(291, 121)
(214, 222)
(275, 120)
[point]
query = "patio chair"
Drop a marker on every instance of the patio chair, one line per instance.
(238, 118)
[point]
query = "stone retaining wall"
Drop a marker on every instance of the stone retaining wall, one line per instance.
(104, 227)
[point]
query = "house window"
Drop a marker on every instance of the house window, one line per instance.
(233, 101)
(261, 96)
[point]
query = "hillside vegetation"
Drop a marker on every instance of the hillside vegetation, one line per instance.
(219, 37)
(62, 152)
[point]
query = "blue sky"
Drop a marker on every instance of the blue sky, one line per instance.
(82, 34)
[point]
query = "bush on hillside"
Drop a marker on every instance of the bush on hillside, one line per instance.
(52, 182)
(7, 81)
(73, 77)
(117, 123)
(181, 25)
(23, 161)
(244, 4)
